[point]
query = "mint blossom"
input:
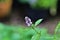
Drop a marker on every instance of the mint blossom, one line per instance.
(28, 21)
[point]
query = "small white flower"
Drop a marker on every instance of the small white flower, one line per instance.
(28, 21)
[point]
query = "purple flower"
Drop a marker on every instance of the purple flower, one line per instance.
(28, 21)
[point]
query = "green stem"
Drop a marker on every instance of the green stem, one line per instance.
(56, 29)
(33, 27)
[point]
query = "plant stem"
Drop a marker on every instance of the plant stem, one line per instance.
(33, 27)
(56, 29)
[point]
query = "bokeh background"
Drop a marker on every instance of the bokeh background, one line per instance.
(48, 10)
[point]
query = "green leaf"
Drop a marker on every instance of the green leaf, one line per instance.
(57, 31)
(36, 37)
(47, 37)
(15, 36)
(57, 28)
(38, 21)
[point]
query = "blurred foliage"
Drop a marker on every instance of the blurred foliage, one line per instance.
(41, 3)
(10, 32)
